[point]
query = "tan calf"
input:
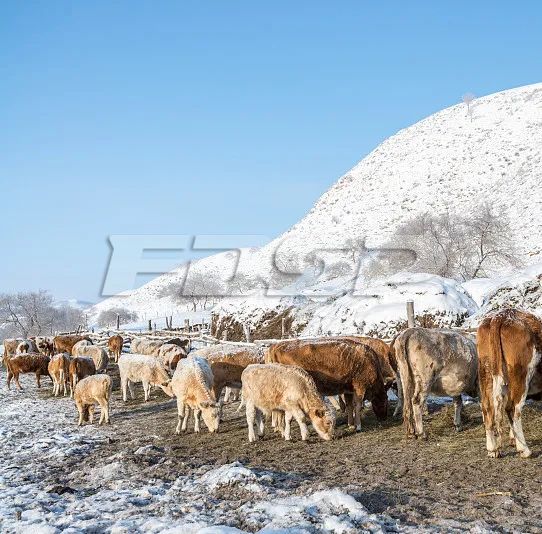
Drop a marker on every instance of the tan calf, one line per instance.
(268, 388)
(89, 391)
(59, 370)
(192, 385)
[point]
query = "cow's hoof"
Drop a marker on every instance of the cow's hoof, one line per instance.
(493, 454)
(458, 428)
(512, 442)
(424, 437)
(526, 453)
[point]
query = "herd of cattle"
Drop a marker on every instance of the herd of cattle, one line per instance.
(307, 378)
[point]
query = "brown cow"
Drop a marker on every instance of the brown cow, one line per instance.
(80, 368)
(66, 343)
(114, 345)
(338, 367)
(510, 368)
(10, 349)
(27, 363)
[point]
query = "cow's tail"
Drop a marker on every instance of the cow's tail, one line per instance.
(107, 389)
(499, 372)
(400, 344)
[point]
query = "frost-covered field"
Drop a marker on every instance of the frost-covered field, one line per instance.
(48, 484)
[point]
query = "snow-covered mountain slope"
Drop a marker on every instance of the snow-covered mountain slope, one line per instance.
(449, 160)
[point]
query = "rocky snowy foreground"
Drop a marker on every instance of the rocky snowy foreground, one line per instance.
(46, 487)
(137, 476)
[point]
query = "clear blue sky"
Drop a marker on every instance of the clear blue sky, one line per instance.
(213, 116)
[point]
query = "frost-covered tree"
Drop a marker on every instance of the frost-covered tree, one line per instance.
(200, 290)
(108, 317)
(34, 313)
(452, 245)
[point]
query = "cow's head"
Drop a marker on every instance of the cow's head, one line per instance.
(211, 414)
(323, 420)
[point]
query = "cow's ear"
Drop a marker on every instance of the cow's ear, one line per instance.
(205, 404)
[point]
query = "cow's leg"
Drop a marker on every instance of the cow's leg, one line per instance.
(91, 413)
(418, 404)
(131, 388)
(251, 417)
(458, 405)
(349, 407)
(8, 379)
(358, 408)
(287, 422)
(146, 389)
(180, 416)
(399, 407)
(197, 413)
(512, 437)
(300, 418)
(124, 388)
(38, 378)
(227, 394)
(260, 427)
(81, 410)
(16, 377)
(102, 413)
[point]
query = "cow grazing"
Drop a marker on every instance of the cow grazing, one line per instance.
(59, 371)
(26, 363)
(114, 345)
(89, 391)
(80, 368)
(437, 362)
(98, 354)
(269, 388)
(169, 355)
(66, 343)
(338, 367)
(144, 369)
(192, 385)
(510, 369)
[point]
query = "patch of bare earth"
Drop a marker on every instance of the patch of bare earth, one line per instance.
(445, 481)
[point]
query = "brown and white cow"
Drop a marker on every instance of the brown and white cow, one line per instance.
(510, 368)
(26, 363)
(59, 371)
(338, 367)
(437, 362)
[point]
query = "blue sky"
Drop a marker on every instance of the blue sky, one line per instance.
(216, 117)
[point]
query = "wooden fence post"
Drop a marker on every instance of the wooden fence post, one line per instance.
(150, 325)
(118, 321)
(410, 313)
(283, 328)
(246, 328)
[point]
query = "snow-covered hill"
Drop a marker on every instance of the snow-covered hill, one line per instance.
(448, 160)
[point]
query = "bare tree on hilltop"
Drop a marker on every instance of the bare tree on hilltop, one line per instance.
(453, 245)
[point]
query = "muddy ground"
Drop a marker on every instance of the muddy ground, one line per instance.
(447, 480)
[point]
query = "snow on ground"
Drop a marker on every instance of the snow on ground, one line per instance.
(45, 486)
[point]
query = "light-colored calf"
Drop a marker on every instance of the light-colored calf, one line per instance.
(144, 369)
(90, 390)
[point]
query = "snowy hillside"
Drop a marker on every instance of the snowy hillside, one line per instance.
(447, 160)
